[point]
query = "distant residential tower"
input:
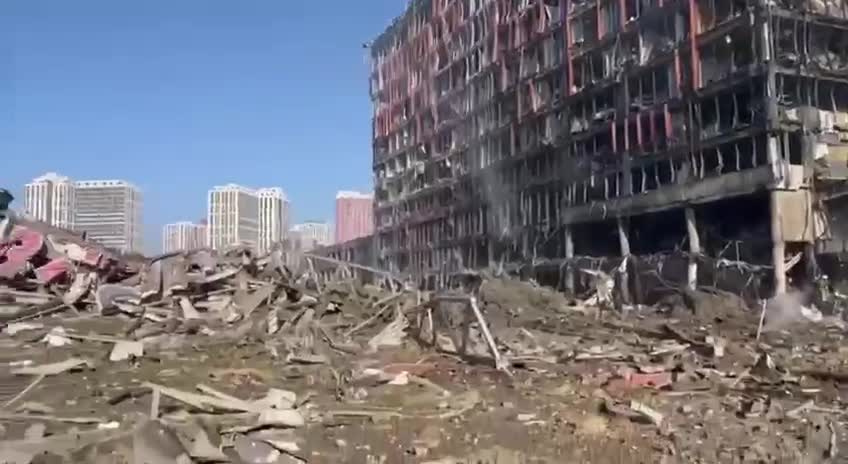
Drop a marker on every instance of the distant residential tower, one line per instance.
(312, 234)
(183, 236)
(109, 212)
(233, 217)
(50, 199)
(273, 217)
(354, 215)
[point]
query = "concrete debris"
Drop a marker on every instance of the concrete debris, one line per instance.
(255, 452)
(14, 328)
(391, 335)
(647, 412)
(154, 442)
(52, 369)
(35, 431)
(109, 295)
(228, 357)
(57, 337)
(126, 349)
(201, 448)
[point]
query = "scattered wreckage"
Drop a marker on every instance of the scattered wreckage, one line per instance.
(229, 357)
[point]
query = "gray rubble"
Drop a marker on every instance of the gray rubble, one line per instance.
(208, 357)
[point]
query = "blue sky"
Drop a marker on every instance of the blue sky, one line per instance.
(179, 95)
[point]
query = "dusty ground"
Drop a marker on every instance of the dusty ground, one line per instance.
(573, 393)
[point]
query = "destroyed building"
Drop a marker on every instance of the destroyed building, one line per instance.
(547, 130)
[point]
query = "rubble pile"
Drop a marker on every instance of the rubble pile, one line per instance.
(207, 357)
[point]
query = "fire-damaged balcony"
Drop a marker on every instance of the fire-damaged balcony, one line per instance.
(551, 133)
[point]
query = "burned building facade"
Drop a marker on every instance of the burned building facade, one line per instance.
(547, 130)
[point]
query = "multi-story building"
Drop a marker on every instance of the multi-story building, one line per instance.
(109, 212)
(354, 215)
(183, 236)
(547, 130)
(50, 199)
(312, 234)
(233, 217)
(273, 217)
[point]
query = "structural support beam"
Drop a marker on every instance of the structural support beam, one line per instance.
(624, 243)
(778, 252)
(490, 249)
(694, 248)
(812, 267)
(569, 265)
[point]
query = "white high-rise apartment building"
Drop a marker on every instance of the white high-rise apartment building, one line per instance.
(313, 234)
(240, 215)
(273, 217)
(109, 212)
(233, 217)
(50, 199)
(181, 236)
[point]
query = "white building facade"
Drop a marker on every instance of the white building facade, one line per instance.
(109, 212)
(233, 217)
(273, 217)
(312, 234)
(181, 236)
(240, 215)
(50, 199)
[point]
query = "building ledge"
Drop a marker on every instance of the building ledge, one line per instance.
(674, 196)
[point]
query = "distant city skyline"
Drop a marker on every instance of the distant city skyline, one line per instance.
(175, 119)
(51, 198)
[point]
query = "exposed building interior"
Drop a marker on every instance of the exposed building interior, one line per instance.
(515, 131)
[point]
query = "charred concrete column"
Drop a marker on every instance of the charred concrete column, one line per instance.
(812, 266)
(694, 248)
(490, 248)
(778, 253)
(766, 44)
(569, 265)
(624, 243)
(808, 147)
